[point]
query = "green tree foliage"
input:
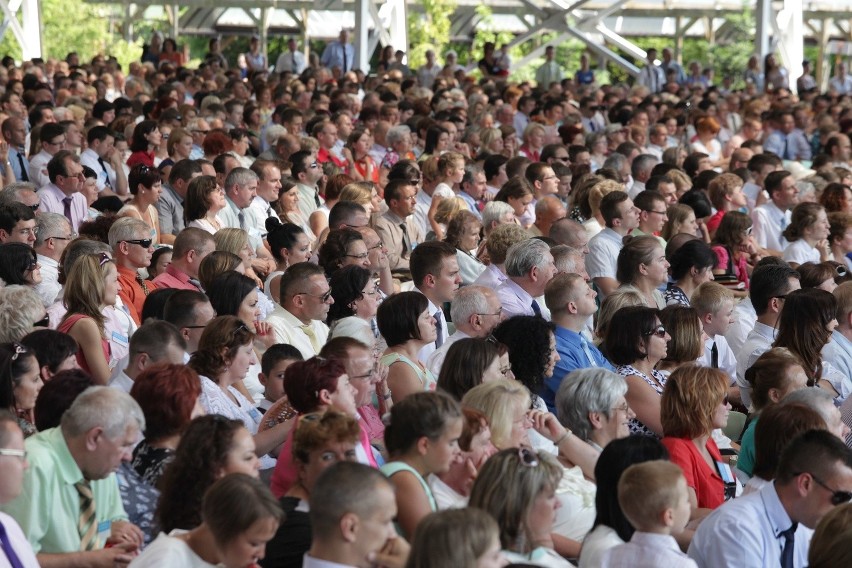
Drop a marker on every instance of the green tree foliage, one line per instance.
(429, 30)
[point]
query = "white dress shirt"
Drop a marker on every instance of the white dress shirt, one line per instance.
(49, 287)
(491, 277)
(727, 361)
(800, 252)
(744, 319)
(443, 333)
(647, 550)
(603, 254)
(105, 173)
(38, 169)
(758, 342)
(436, 359)
(19, 543)
(769, 222)
(287, 328)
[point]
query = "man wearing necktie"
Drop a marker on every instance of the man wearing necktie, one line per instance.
(435, 273)
(339, 53)
(529, 267)
(788, 141)
(571, 302)
(70, 508)
(14, 547)
(105, 161)
(769, 527)
(303, 306)
(15, 133)
(396, 228)
(268, 190)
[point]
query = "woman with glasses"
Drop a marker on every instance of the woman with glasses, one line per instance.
(687, 337)
(471, 362)
(463, 233)
(517, 487)
(289, 245)
(736, 252)
(204, 200)
(146, 139)
(642, 266)
(356, 300)
(317, 385)
(343, 247)
(19, 264)
(694, 403)
(636, 345)
(145, 185)
(805, 327)
(406, 326)
(20, 383)
(319, 441)
(210, 448)
(807, 234)
(91, 286)
(225, 354)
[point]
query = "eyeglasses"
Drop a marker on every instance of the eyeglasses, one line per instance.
(43, 322)
(499, 312)
(625, 408)
(144, 243)
(374, 291)
(103, 259)
(748, 231)
(32, 265)
(324, 298)
(205, 132)
(378, 245)
(361, 256)
(21, 454)
(837, 497)
(35, 207)
(313, 165)
(528, 457)
(71, 238)
(841, 271)
(59, 143)
(29, 231)
(659, 331)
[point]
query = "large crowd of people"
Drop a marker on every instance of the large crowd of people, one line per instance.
(294, 315)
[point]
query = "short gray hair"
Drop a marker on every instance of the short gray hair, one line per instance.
(468, 301)
(566, 258)
(273, 133)
(494, 211)
(105, 407)
(815, 398)
(524, 256)
(615, 161)
(396, 133)
(126, 229)
(584, 391)
(49, 225)
(239, 176)
(12, 192)
(20, 306)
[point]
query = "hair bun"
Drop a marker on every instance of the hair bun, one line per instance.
(272, 223)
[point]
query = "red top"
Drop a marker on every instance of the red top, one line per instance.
(66, 326)
(146, 158)
(703, 479)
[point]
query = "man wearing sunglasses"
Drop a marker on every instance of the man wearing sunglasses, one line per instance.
(304, 301)
(307, 172)
(769, 527)
(132, 247)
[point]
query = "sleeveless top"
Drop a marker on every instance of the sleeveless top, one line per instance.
(392, 468)
(427, 379)
(66, 326)
(268, 281)
(636, 427)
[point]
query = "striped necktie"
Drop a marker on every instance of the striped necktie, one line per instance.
(87, 524)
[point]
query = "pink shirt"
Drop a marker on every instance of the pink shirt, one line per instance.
(174, 278)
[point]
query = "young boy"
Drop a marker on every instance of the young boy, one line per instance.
(654, 498)
(715, 304)
(726, 194)
(274, 362)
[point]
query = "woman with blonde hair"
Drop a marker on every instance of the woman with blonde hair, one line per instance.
(681, 220)
(91, 286)
(694, 403)
(236, 241)
(204, 200)
(686, 344)
(491, 140)
(595, 223)
(681, 181)
(447, 209)
(463, 233)
(621, 298)
(21, 311)
(533, 141)
(364, 193)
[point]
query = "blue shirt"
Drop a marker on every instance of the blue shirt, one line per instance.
(16, 164)
(569, 345)
(745, 533)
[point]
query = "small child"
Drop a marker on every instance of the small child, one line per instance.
(715, 304)
(274, 362)
(654, 498)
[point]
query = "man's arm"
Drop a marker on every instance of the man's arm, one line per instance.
(118, 555)
(606, 286)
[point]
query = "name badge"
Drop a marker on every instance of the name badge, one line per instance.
(104, 531)
(120, 339)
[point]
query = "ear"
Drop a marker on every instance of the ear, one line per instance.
(422, 445)
(142, 361)
(642, 268)
(572, 307)
(93, 437)
(3, 235)
(324, 396)
(429, 281)
(595, 419)
(667, 517)
(45, 373)
(262, 378)
(774, 395)
(349, 527)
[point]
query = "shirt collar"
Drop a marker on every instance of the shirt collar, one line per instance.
(432, 307)
(775, 511)
(522, 294)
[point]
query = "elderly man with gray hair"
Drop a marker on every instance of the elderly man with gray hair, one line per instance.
(475, 311)
(52, 237)
(70, 508)
(591, 403)
(529, 267)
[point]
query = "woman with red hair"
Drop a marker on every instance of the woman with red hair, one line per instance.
(216, 142)
(168, 395)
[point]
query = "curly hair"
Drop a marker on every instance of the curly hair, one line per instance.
(528, 341)
(200, 455)
(347, 285)
(320, 429)
(20, 307)
(332, 253)
(227, 333)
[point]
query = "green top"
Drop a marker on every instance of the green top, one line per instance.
(48, 507)
(745, 461)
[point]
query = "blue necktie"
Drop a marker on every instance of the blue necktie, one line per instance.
(589, 355)
(13, 559)
(789, 541)
(536, 308)
(439, 328)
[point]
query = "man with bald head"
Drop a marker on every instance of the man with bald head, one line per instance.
(548, 210)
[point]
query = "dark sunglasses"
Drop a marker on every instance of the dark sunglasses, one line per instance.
(659, 331)
(837, 497)
(43, 322)
(144, 243)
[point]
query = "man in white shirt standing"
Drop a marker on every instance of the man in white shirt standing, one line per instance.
(291, 60)
(429, 71)
(435, 274)
(652, 76)
(770, 219)
(841, 83)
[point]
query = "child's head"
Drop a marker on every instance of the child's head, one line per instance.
(456, 537)
(654, 497)
(425, 425)
(274, 362)
(714, 303)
